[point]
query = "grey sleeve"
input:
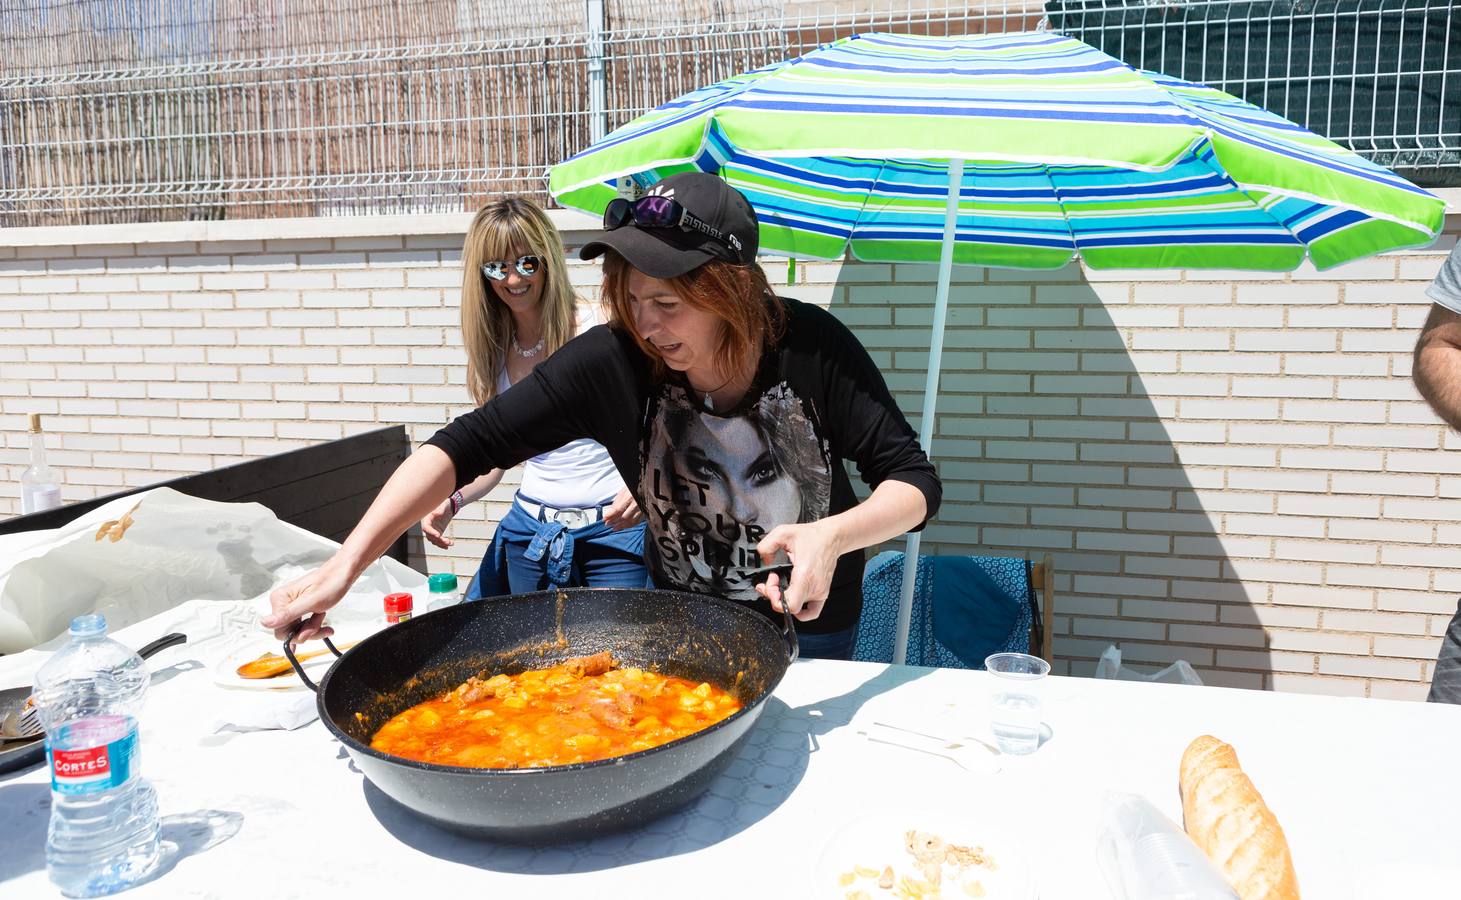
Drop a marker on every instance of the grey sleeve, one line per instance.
(1446, 289)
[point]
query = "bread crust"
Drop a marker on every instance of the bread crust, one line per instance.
(1226, 817)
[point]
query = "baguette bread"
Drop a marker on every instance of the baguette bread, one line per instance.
(1227, 818)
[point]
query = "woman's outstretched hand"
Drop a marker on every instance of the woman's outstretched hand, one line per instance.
(308, 597)
(407, 497)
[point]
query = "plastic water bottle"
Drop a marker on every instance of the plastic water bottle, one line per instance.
(104, 824)
(443, 591)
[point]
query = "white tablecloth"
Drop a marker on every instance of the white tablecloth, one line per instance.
(1365, 789)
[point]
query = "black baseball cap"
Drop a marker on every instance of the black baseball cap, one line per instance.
(669, 252)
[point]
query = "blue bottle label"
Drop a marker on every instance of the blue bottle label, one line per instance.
(83, 759)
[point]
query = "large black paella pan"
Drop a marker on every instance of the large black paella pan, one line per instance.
(685, 635)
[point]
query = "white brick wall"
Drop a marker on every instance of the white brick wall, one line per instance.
(1228, 468)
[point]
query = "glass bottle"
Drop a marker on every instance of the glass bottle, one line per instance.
(40, 486)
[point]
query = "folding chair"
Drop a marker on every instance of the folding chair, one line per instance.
(964, 608)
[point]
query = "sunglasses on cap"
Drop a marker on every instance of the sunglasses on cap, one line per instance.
(526, 266)
(664, 212)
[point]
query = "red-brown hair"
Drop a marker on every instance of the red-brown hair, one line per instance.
(740, 296)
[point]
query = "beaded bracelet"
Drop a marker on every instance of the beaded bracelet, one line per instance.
(457, 501)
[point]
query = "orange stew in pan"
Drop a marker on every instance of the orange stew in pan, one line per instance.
(578, 711)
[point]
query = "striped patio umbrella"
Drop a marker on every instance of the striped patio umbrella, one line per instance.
(1014, 150)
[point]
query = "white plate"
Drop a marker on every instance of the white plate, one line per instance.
(876, 840)
(226, 674)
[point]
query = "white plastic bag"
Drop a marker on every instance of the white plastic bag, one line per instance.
(143, 555)
(1179, 672)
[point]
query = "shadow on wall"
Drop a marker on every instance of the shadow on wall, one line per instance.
(1048, 442)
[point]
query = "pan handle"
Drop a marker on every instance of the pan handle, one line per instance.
(162, 643)
(793, 649)
(289, 654)
(759, 576)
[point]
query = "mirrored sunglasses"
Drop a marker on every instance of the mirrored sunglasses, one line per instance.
(526, 266)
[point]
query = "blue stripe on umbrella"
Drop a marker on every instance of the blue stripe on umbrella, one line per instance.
(1333, 223)
(935, 234)
(746, 101)
(1276, 238)
(1107, 65)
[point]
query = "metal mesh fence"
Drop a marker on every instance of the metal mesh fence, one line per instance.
(153, 110)
(1382, 77)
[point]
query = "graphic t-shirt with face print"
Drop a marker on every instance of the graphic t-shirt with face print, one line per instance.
(713, 483)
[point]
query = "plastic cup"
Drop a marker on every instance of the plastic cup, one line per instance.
(1015, 710)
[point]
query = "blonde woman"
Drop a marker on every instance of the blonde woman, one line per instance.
(572, 522)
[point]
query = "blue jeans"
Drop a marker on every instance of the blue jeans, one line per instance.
(832, 645)
(531, 555)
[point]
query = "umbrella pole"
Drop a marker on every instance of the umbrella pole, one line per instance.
(930, 396)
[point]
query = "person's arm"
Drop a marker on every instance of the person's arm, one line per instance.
(1436, 369)
(863, 421)
(814, 547)
(482, 486)
(418, 484)
(586, 389)
(864, 424)
(434, 524)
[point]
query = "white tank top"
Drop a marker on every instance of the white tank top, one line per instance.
(579, 474)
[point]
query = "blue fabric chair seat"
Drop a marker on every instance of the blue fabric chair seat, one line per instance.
(964, 608)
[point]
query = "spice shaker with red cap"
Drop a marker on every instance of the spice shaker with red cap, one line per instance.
(398, 607)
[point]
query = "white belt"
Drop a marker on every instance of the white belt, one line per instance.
(570, 516)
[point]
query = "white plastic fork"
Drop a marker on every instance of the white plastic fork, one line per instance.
(970, 754)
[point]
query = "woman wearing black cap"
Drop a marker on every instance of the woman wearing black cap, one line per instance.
(728, 411)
